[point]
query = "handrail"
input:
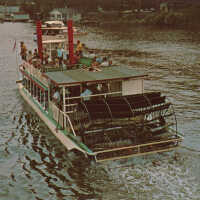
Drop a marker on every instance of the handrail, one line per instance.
(70, 123)
(93, 95)
(64, 114)
(179, 138)
(72, 104)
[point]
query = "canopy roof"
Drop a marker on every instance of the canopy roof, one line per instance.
(78, 76)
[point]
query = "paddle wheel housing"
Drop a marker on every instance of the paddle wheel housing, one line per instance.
(124, 126)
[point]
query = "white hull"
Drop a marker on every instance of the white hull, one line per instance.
(66, 141)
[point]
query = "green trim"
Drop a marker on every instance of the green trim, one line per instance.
(70, 135)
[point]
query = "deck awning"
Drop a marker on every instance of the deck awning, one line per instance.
(77, 76)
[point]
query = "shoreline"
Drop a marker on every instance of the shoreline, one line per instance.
(175, 20)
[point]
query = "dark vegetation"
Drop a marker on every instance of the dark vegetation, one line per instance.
(187, 15)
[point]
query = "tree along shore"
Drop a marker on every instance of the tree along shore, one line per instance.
(184, 18)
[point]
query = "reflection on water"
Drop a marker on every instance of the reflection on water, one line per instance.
(34, 165)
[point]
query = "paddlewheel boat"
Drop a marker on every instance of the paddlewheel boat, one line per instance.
(116, 120)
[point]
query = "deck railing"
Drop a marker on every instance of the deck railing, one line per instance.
(36, 73)
(52, 37)
(56, 114)
(94, 95)
(139, 149)
(70, 107)
(63, 120)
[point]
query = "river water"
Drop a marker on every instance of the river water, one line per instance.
(35, 166)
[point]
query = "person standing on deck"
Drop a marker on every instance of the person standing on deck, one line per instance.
(23, 51)
(60, 55)
(86, 93)
(56, 96)
(79, 48)
(35, 54)
(45, 56)
(29, 57)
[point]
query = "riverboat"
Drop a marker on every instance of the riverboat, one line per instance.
(117, 119)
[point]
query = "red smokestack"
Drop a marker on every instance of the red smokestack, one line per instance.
(70, 41)
(39, 39)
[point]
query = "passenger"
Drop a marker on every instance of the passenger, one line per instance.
(79, 47)
(95, 65)
(64, 54)
(65, 59)
(23, 52)
(30, 56)
(56, 96)
(105, 62)
(45, 56)
(99, 60)
(86, 93)
(59, 55)
(57, 62)
(35, 54)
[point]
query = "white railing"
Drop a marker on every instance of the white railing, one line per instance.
(138, 150)
(56, 114)
(94, 95)
(53, 37)
(60, 117)
(35, 72)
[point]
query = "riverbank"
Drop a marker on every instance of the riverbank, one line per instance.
(185, 18)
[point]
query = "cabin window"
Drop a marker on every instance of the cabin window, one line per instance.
(134, 86)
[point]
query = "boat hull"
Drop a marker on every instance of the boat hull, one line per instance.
(70, 143)
(65, 140)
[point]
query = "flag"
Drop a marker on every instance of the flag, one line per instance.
(14, 46)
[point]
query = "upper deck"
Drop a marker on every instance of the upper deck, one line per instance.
(77, 76)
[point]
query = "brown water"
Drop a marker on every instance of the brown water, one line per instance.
(35, 166)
